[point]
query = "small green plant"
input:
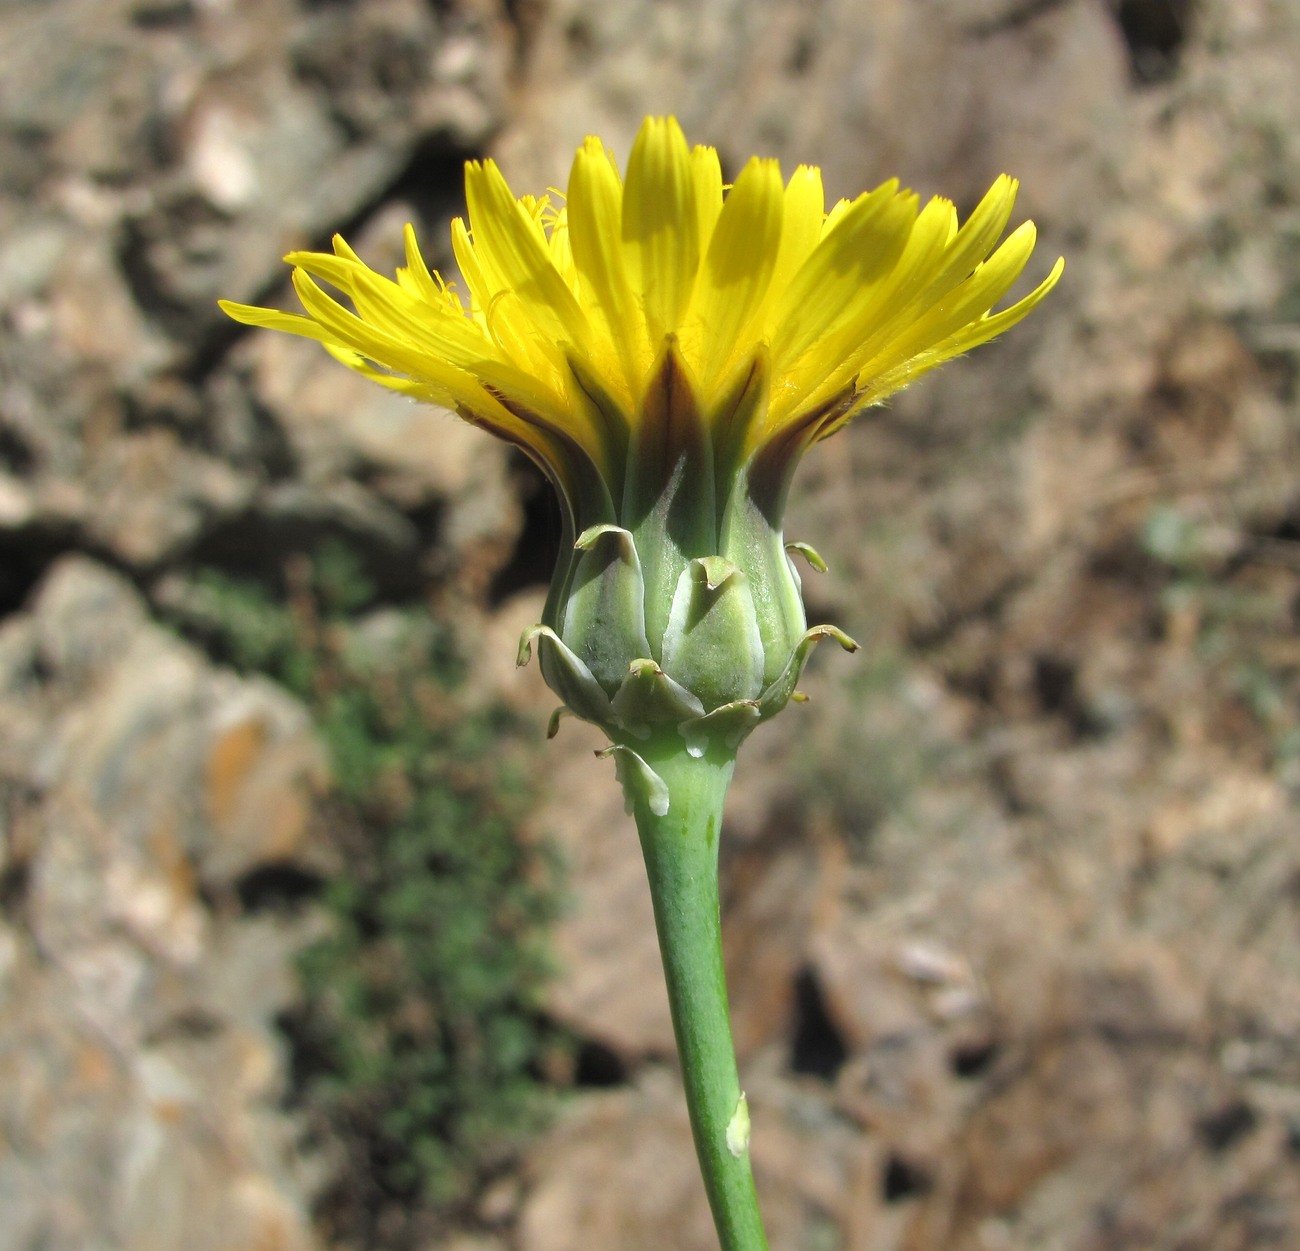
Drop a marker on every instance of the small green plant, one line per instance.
(1241, 608)
(420, 1044)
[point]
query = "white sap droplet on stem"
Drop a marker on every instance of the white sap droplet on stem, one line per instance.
(738, 1128)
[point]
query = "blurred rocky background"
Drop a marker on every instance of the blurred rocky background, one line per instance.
(308, 941)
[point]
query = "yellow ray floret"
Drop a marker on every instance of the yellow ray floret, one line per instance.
(847, 306)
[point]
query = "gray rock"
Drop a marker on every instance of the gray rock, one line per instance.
(170, 156)
(139, 1069)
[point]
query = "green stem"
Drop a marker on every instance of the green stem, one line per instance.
(681, 858)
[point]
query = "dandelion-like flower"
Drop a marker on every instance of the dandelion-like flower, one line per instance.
(667, 348)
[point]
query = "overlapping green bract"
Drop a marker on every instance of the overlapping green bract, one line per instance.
(677, 607)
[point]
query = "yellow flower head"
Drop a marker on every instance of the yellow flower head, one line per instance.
(666, 348)
(842, 307)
